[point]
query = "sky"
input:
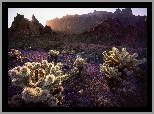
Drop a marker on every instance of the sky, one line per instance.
(44, 14)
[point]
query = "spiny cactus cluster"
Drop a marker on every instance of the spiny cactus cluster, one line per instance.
(122, 59)
(115, 60)
(75, 70)
(16, 100)
(41, 82)
(110, 71)
(68, 52)
(15, 53)
(53, 52)
(80, 62)
(53, 55)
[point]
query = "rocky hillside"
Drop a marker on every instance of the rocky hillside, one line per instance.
(27, 28)
(25, 33)
(31, 34)
(76, 24)
(112, 32)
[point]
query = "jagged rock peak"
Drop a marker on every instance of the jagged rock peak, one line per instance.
(117, 11)
(34, 19)
(23, 27)
(127, 11)
(19, 17)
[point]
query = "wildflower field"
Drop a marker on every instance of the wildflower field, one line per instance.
(115, 78)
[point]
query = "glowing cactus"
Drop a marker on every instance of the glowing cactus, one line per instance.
(79, 63)
(16, 54)
(110, 71)
(39, 80)
(121, 59)
(119, 64)
(54, 54)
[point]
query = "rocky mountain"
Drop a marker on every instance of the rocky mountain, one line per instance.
(76, 24)
(113, 32)
(27, 28)
(26, 33)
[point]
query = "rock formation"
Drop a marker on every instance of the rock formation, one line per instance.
(23, 27)
(74, 24)
(102, 28)
(112, 32)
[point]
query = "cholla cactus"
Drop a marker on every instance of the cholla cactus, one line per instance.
(75, 70)
(39, 80)
(33, 65)
(55, 70)
(16, 100)
(24, 72)
(52, 101)
(14, 73)
(64, 51)
(72, 52)
(60, 64)
(29, 65)
(53, 52)
(16, 53)
(68, 52)
(37, 77)
(44, 64)
(110, 71)
(80, 62)
(117, 60)
(121, 59)
(127, 71)
(35, 94)
(49, 80)
(20, 76)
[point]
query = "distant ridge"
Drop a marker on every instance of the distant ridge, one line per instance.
(76, 24)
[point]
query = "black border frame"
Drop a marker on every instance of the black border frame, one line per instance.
(6, 5)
